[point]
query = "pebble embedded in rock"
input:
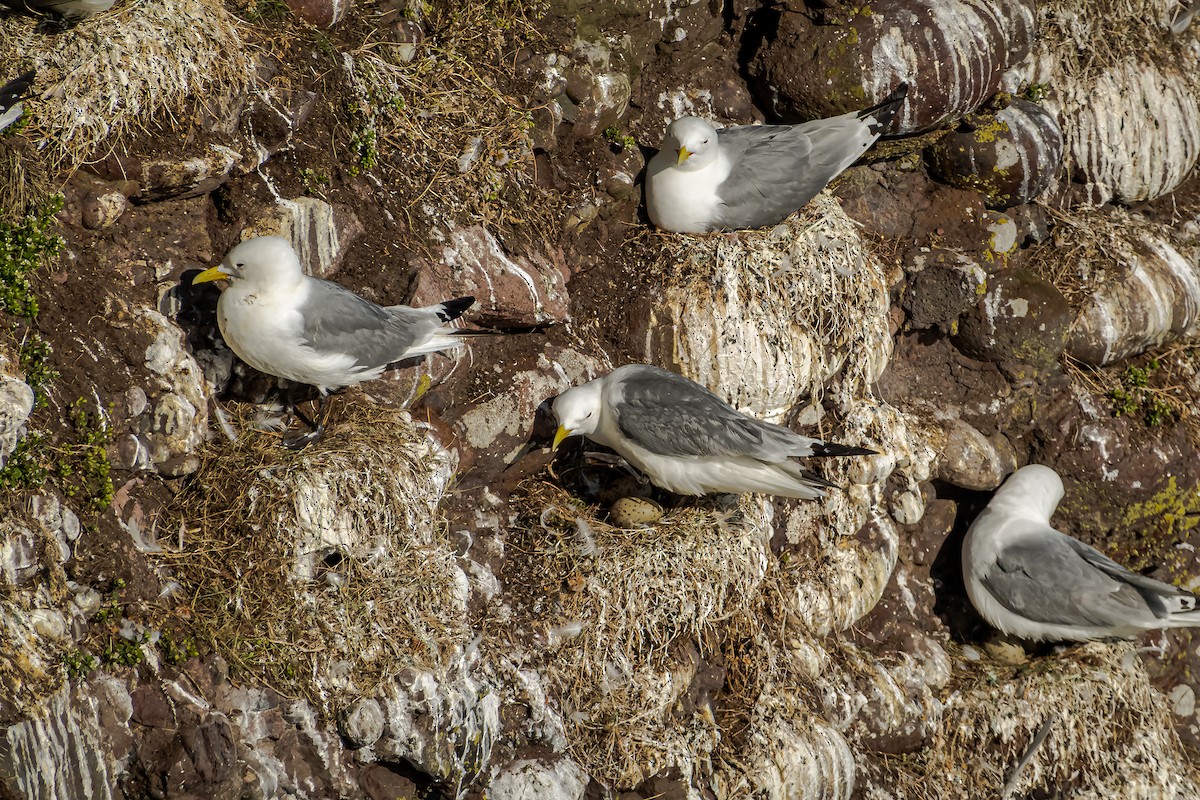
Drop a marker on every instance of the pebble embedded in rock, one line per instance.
(632, 512)
(1011, 156)
(362, 723)
(1022, 318)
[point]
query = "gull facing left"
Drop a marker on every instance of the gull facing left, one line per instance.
(288, 324)
(1029, 580)
(687, 440)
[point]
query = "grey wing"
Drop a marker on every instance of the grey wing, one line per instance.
(670, 415)
(336, 320)
(1047, 579)
(779, 168)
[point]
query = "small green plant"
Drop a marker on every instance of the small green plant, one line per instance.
(24, 247)
(177, 652)
(24, 469)
(78, 663)
(314, 182)
(259, 12)
(34, 356)
(364, 149)
(110, 610)
(1136, 396)
(1037, 92)
(124, 652)
(83, 467)
(616, 137)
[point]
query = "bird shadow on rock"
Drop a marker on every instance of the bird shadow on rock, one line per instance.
(951, 604)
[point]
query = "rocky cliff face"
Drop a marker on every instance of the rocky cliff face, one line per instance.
(408, 610)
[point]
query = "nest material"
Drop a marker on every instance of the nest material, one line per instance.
(323, 572)
(628, 616)
(766, 318)
(105, 78)
(1111, 735)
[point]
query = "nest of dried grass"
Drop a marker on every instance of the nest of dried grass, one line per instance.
(1111, 735)
(324, 572)
(768, 317)
(110, 76)
(627, 616)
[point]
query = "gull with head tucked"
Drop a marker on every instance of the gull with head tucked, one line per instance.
(1029, 580)
(686, 439)
(749, 176)
(307, 330)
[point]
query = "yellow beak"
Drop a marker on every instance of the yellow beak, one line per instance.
(210, 274)
(684, 155)
(561, 434)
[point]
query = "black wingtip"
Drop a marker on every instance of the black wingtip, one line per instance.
(830, 449)
(453, 309)
(883, 112)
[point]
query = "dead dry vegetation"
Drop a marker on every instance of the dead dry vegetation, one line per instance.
(322, 573)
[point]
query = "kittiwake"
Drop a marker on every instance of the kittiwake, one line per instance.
(686, 439)
(750, 176)
(68, 9)
(285, 323)
(1029, 580)
(11, 96)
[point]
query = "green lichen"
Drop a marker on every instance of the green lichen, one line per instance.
(990, 131)
(1171, 509)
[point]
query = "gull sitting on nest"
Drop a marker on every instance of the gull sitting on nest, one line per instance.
(307, 330)
(68, 9)
(750, 176)
(1029, 580)
(686, 439)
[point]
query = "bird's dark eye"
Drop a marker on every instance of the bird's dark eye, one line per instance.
(705, 141)
(240, 266)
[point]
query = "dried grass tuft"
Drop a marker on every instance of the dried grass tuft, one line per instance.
(1112, 735)
(441, 128)
(626, 618)
(108, 77)
(324, 572)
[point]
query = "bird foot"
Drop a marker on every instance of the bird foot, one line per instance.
(299, 441)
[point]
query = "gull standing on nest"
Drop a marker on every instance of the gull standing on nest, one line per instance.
(750, 176)
(1029, 580)
(307, 330)
(686, 439)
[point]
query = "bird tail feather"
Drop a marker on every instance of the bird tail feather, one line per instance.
(828, 449)
(806, 477)
(453, 309)
(881, 114)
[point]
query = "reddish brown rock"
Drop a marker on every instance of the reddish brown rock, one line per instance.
(322, 13)
(509, 291)
(1022, 318)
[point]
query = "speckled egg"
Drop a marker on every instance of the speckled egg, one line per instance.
(630, 512)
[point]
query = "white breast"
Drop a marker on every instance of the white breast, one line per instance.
(264, 329)
(684, 201)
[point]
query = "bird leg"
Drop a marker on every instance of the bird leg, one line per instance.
(298, 441)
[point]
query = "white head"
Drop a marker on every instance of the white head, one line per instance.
(265, 261)
(693, 141)
(1032, 492)
(577, 410)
